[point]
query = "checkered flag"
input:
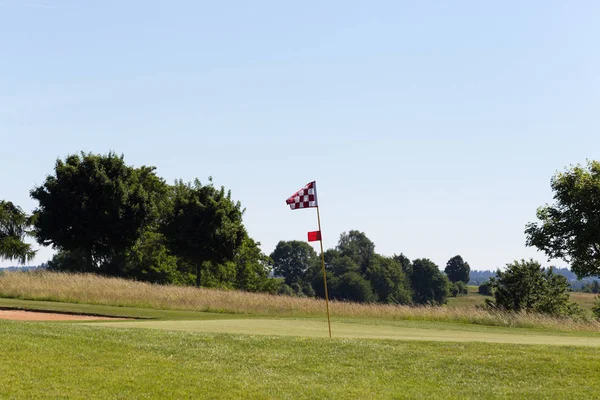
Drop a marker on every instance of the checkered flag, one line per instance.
(304, 198)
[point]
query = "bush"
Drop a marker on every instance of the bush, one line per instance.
(351, 286)
(526, 286)
(596, 307)
(297, 289)
(286, 290)
(486, 289)
(457, 288)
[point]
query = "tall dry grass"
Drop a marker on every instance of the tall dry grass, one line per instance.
(93, 289)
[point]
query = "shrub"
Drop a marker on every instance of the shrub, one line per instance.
(596, 308)
(351, 286)
(286, 290)
(526, 286)
(485, 289)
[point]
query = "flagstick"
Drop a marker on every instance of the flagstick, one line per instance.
(324, 273)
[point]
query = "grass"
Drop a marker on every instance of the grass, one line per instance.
(75, 361)
(92, 289)
(251, 348)
(311, 328)
(473, 298)
(585, 300)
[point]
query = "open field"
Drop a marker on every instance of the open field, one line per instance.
(473, 298)
(91, 289)
(77, 361)
(585, 300)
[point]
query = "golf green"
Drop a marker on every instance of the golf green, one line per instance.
(309, 328)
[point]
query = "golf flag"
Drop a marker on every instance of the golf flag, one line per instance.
(314, 236)
(304, 198)
(307, 198)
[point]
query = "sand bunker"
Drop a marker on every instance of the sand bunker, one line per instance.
(22, 315)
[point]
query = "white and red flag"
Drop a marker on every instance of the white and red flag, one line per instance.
(304, 198)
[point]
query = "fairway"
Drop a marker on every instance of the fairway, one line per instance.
(311, 328)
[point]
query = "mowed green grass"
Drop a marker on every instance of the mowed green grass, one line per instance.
(311, 328)
(77, 361)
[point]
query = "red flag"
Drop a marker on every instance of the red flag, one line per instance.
(304, 198)
(314, 236)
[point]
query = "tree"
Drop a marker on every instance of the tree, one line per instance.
(150, 260)
(457, 270)
(429, 285)
(353, 287)
(405, 263)
(96, 206)
(570, 228)
(252, 269)
(204, 228)
(292, 259)
(14, 225)
(389, 282)
(357, 246)
(339, 264)
(526, 286)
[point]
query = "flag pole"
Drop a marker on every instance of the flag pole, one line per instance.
(324, 273)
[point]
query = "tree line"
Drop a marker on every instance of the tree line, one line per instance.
(355, 272)
(110, 218)
(106, 217)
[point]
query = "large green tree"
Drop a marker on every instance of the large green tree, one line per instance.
(204, 228)
(429, 285)
(252, 268)
(358, 247)
(14, 227)
(457, 270)
(293, 259)
(388, 280)
(96, 206)
(352, 287)
(526, 286)
(569, 229)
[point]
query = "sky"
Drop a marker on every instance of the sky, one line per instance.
(434, 127)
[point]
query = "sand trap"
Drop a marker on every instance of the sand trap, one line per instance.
(21, 315)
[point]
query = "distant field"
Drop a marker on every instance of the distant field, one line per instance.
(586, 300)
(471, 299)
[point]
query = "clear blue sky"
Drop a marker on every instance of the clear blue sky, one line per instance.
(434, 127)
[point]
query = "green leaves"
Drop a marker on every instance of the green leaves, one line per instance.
(97, 205)
(526, 286)
(457, 270)
(292, 259)
(429, 285)
(570, 228)
(14, 225)
(203, 225)
(107, 217)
